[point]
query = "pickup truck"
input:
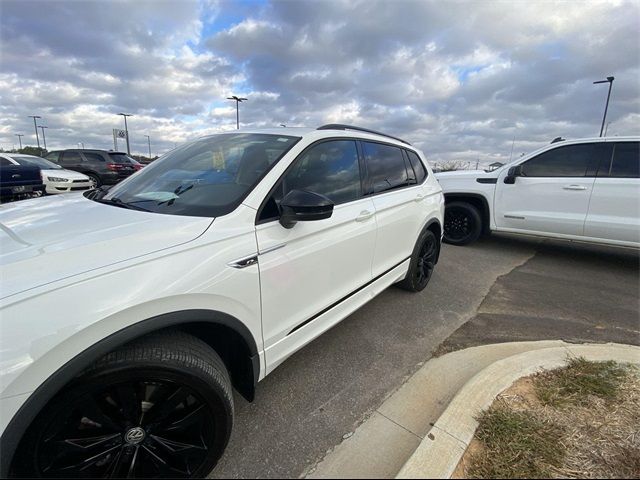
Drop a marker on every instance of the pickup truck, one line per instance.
(19, 181)
(583, 190)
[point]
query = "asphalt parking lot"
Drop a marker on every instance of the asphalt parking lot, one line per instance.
(502, 288)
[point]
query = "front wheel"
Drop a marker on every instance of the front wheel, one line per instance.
(159, 407)
(462, 223)
(423, 261)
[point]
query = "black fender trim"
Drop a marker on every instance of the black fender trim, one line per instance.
(461, 196)
(51, 386)
(426, 227)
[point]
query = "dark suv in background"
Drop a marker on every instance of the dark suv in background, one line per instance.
(101, 166)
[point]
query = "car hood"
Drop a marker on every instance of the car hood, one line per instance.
(63, 173)
(49, 239)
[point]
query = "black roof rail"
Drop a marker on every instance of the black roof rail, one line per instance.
(340, 126)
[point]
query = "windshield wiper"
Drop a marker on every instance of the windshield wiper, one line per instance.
(119, 203)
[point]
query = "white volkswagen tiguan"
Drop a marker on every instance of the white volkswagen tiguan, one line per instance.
(127, 315)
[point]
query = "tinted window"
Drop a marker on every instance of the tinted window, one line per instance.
(626, 160)
(417, 166)
(385, 167)
(207, 177)
(37, 162)
(93, 157)
(329, 168)
(569, 161)
(70, 157)
(4, 162)
(53, 156)
(121, 158)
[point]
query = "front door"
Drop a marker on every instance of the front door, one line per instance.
(552, 195)
(311, 273)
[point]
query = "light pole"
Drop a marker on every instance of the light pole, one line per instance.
(44, 139)
(20, 135)
(238, 100)
(35, 125)
(126, 130)
(149, 142)
(609, 80)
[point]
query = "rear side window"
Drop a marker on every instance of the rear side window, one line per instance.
(386, 168)
(121, 158)
(626, 160)
(568, 161)
(93, 157)
(417, 165)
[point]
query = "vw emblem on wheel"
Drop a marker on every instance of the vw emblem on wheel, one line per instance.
(134, 436)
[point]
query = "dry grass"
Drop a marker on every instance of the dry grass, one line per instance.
(581, 421)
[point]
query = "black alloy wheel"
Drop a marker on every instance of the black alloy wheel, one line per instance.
(462, 223)
(423, 262)
(134, 422)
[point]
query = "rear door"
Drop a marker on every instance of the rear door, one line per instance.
(614, 210)
(397, 198)
(552, 195)
(310, 275)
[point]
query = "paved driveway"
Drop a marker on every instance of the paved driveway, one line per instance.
(506, 287)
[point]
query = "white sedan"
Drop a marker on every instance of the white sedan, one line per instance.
(55, 178)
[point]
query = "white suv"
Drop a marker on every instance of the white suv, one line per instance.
(127, 315)
(585, 190)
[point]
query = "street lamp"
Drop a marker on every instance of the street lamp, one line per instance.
(126, 131)
(36, 127)
(237, 100)
(149, 142)
(609, 80)
(44, 139)
(20, 135)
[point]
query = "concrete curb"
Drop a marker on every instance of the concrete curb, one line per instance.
(441, 450)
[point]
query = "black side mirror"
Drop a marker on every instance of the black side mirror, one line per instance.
(303, 206)
(512, 173)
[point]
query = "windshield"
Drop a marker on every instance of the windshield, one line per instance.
(207, 178)
(36, 161)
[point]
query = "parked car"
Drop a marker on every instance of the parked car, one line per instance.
(18, 181)
(586, 190)
(241, 248)
(55, 178)
(101, 166)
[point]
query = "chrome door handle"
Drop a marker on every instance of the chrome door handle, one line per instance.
(364, 215)
(574, 187)
(419, 198)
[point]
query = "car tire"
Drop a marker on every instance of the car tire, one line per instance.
(462, 223)
(423, 261)
(160, 406)
(95, 180)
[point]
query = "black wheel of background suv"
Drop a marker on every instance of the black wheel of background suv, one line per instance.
(159, 407)
(423, 261)
(462, 223)
(95, 180)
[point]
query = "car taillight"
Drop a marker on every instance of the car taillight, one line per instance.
(114, 166)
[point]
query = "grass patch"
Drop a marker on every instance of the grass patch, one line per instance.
(578, 381)
(516, 445)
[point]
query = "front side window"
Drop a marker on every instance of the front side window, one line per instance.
(626, 160)
(330, 169)
(385, 167)
(71, 158)
(53, 156)
(567, 161)
(205, 178)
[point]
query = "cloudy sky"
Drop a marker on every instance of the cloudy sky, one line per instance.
(458, 79)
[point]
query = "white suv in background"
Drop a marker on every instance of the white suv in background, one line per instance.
(586, 190)
(124, 331)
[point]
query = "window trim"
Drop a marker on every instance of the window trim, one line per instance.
(258, 221)
(426, 170)
(606, 171)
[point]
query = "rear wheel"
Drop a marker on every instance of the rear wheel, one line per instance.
(95, 180)
(160, 407)
(423, 261)
(462, 223)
